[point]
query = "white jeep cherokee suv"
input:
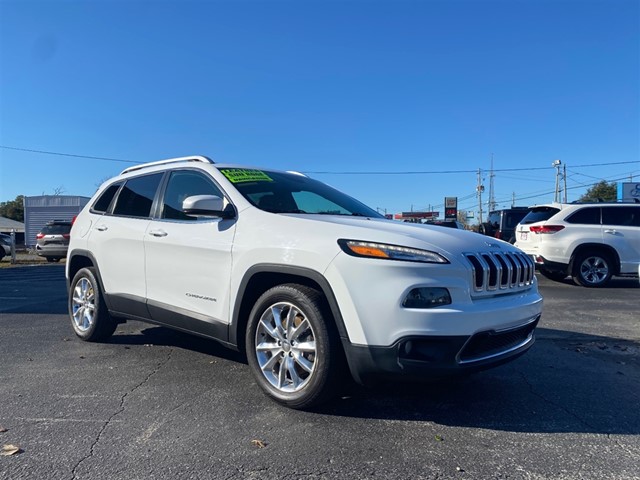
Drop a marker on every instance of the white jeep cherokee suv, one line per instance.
(590, 242)
(299, 275)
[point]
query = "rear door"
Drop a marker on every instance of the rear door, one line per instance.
(621, 230)
(116, 240)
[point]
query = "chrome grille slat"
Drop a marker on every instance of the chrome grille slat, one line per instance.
(499, 272)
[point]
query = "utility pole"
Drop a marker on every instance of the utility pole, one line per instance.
(480, 189)
(564, 178)
(557, 164)
(492, 197)
(513, 199)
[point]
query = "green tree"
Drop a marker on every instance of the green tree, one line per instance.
(600, 191)
(13, 209)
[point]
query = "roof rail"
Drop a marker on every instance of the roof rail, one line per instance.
(194, 158)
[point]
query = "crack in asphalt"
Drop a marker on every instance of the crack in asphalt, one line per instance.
(557, 405)
(118, 412)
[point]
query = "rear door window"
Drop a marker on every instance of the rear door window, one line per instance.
(137, 195)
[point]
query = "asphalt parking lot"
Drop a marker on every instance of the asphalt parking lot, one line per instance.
(154, 403)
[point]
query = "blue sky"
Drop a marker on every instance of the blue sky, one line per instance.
(358, 86)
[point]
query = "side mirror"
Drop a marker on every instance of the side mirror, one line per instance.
(207, 206)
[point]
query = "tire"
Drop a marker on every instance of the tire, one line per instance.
(553, 275)
(89, 316)
(592, 269)
(292, 348)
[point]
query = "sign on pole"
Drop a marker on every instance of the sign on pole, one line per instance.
(450, 208)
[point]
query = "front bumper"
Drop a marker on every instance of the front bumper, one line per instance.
(417, 358)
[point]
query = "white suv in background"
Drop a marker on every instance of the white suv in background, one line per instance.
(298, 275)
(590, 242)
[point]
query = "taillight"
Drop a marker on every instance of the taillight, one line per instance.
(66, 236)
(498, 235)
(39, 236)
(546, 228)
(73, 220)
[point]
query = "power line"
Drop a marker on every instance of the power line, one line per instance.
(415, 172)
(68, 154)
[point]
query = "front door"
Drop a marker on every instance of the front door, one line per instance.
(188, 260)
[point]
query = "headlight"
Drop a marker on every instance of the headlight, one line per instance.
(359, 248)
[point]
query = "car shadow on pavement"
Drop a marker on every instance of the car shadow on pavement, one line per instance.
(586, 384)
(163, 336)
(565, 383)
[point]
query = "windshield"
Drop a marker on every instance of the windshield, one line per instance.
(539, 214)
(280, 192)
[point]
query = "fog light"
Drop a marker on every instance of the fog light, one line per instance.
(426, 297)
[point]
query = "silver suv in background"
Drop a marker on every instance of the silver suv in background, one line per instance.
(589, 242)
(52, 241)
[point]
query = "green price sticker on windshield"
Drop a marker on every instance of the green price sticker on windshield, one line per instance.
(240, 175)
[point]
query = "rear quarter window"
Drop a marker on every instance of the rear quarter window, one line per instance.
(101, 205)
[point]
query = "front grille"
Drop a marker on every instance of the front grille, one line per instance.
(500, 271)
(485, 345)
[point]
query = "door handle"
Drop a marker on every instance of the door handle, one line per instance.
(611, 231)
(101, 228)
(158, 233)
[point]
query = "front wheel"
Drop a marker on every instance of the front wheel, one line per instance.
(592, 269)
(292, 348)
(90, 318)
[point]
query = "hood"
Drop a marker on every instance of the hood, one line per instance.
(428, 237)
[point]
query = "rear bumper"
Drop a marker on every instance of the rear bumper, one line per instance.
(542, 262)
(418, 358)
(56, 251)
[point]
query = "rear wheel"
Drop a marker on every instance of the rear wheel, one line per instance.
(292, 348)
(553, 275)
(90, 318)
(592, 269)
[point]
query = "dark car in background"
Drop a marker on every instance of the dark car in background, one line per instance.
(5, 245)
(502, 223)
(52, 241)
